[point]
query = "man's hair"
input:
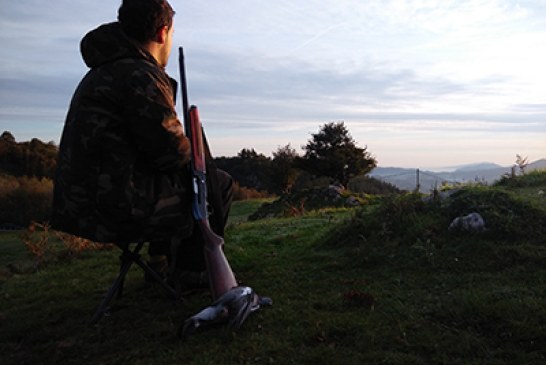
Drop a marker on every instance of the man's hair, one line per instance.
(141, 19)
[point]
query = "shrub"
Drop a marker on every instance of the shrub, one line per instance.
(36, 240)
(507, 217)
(409, 219)
(244, 193)
(47, 245)
(25, 199)
(400, 219)
(301, 201)
(371, 185)
(535, 178)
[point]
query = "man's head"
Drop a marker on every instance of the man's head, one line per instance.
(141, 19)
(149, 22)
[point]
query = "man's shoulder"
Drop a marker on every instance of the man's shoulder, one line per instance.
(138, 70)
(132, 64)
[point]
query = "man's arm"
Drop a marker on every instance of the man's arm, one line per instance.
(153, 122)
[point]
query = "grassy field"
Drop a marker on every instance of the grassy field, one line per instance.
(11, 249)
(349, 287)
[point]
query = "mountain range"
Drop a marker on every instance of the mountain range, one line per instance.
(486, 172)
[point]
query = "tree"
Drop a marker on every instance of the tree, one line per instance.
(33, 158)
(332, 152)
(7, 136)
(249, 168)
(249, 154)
(283, 172)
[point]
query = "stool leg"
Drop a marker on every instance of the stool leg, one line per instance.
(118, 283)
(156, 277)
(127, 258)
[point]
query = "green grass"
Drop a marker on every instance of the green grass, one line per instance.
(240, 210)
(364, 294)
(14, 257)
(11, 248)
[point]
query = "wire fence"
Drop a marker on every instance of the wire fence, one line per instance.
(418, 178)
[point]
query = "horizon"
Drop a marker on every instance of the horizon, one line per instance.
(424, 168)
(447, 169)
(432, 84)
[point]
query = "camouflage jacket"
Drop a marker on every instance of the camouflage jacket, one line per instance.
(122, 170)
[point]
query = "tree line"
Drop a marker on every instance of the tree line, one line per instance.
(331, 156)
(33, 159)
(26, 186)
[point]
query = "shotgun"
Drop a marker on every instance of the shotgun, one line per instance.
(221, 277)
(231, 302)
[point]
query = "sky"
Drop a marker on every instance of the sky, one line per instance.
(422, 83)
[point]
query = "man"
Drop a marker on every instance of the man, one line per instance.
(122, 172)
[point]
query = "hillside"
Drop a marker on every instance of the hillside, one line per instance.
(386, 283)
(406, 178)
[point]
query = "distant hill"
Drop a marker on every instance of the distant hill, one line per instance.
(479, 166)
(406, 178)
(538, 165)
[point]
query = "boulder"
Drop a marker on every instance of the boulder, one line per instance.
(473, 222)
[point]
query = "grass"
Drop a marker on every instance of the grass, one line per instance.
(345, 291)
(11, 248)
(240, 210)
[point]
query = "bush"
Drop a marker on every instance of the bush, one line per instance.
(370, 185)
(244, 193)
(507, 217)
(535, 178)
(400, 219)
(301, 201)
(409, 219)
(25, 199)
(47, 245)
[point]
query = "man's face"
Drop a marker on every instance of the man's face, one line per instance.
(167, 46)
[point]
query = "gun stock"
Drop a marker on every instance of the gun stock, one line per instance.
(221, 276)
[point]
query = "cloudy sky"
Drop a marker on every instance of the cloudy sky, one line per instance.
(423, 83)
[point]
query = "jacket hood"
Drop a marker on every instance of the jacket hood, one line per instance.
(108, 43)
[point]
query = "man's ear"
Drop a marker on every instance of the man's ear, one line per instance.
(161, 35)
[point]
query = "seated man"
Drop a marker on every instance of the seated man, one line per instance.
(123, 166)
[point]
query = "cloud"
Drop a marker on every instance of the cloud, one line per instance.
(292, 92)
(268, 73)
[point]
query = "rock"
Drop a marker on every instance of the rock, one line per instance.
(471, 222)
(335, 190)
(352, 202)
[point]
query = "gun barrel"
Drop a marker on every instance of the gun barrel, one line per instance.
(184, 89)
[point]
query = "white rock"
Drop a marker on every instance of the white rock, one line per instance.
(471, 222)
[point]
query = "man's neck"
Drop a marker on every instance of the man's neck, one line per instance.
(154, 49)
